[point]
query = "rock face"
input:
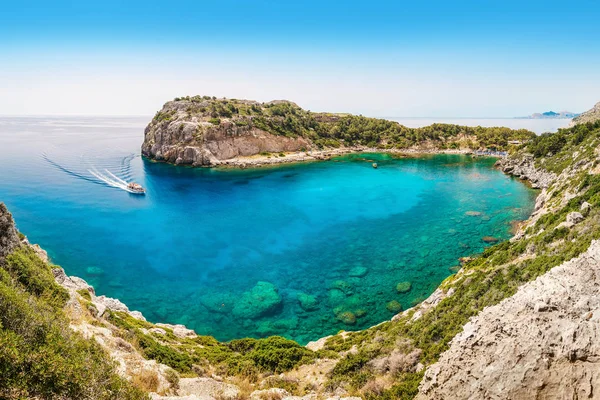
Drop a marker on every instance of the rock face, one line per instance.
(544, 342)
(588, 116)
(524, 168)
(9, 237)
(183, 132)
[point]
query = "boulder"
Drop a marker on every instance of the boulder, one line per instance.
(404, 287)
(308, 302)
(179, 330)
(347, 317)
(358, 272)
(574, 217)
(394, 306)
(262, 299)
(205, 387)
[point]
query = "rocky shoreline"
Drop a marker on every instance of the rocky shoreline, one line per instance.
(258, 160)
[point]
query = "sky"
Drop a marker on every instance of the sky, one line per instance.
(426, 58)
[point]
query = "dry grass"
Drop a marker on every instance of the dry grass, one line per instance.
(146, 380)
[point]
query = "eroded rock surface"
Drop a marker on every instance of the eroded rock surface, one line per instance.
(9, 237)
(524, 168)
(544, 342)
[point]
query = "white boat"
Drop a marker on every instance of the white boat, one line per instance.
(136, 188)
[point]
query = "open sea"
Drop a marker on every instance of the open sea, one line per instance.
(301, 251)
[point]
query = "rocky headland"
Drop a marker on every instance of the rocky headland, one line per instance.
(205, 131)
(591, 115)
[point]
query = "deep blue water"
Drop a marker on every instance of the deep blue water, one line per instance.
(195, 246)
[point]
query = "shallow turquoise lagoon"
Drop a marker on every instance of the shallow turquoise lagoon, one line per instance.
(301, 251)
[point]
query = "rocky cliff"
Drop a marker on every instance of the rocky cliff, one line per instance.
(591, 115)
(541, 343)
(205, 131)
(9, 238)
(188, 132)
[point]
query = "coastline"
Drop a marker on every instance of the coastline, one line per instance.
(103, 303)
(273, 159)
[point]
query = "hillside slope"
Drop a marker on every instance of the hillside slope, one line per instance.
(205, 131)
(591, 115)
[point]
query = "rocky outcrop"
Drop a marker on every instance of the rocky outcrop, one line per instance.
(183, 132)
(524, 168)
(9, 237)
(543, 342)
(592, 115)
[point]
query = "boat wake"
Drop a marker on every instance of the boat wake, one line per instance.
(113, 172)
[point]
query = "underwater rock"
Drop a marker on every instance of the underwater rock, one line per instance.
(473, 213)
(343, 286)
(403, 287)
(360, 313)
(394, 306)
(262, 300)
(218, 302)
(94, 271)
(336, 296)
(490, 239)
(358, 272)
(454, 269)
(347, 317)
(308, 302)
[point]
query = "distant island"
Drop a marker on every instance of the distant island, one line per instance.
(552, 115)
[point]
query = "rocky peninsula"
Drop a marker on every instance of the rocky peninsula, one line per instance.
(206, 131)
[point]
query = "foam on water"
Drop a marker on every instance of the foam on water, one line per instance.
(331, 239)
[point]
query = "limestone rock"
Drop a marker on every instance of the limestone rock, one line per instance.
(9, 237)
(180, 330)
(574, 217)
(208, 388)
(585, 206)
(182, 134)
(524, 168)
(591, 115)
(547, 335)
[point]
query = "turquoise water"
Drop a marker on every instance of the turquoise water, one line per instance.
(230, 253)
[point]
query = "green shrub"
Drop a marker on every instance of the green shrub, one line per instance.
(40, 356)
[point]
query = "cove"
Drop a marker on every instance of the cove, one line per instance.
(301, 250)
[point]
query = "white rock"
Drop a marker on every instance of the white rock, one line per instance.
(158, 331)
(574, 217)
(180, 330)
(585, 206)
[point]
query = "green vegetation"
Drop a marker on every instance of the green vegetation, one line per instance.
(40, 357)
(334, 130)
(243, 357)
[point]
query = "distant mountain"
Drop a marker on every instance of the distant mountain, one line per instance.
(588, 116)
(552, 115)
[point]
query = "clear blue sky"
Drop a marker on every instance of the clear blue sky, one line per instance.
(397, 58)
